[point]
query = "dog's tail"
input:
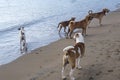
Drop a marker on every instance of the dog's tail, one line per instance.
(58, 25)
(90, 12)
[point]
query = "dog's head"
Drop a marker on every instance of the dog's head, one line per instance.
(22, 31)
(71, 23)
(77, 35)
(105, 10)
(21, 28)
(90, 12)
(72, 19)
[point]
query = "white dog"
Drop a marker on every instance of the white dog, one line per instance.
(72, 55)
(23, 44)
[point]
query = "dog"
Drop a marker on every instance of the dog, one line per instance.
(72, 55)
(64, 24)
(99, 15)
(79, 24)
(23, 44)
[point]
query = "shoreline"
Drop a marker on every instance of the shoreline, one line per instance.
(6, 62)
(44, 63)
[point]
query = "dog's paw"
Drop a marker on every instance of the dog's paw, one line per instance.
(79, 67)
(72, 78)
(64, 78)
(66, 37)
(71, 37)
(101, 24)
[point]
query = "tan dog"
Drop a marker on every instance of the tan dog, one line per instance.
(99, 15)
(72, 55)
(64, 24)
(23, 44)
(80, 24)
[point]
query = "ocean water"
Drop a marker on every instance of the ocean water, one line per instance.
(40, 19)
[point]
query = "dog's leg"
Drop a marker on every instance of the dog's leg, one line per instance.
(71, 74)
(65, 29)
(72, 62)
(78, 63)
(70, 34)
(83, 32)
(82, 49)
(60, 27)
(100, 20)
(25, 47)
(20, 45)
(63, 74)
(65, 62)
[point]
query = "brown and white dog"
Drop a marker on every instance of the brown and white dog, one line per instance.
(79, 24)
(72, 55)
(99, 15)
(23, 44)
(64, 24)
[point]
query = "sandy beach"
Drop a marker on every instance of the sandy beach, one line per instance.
(101, 60)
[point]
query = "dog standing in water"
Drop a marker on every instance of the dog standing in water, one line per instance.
(64, 24)
(23, 44)
(79, 24)
(72, 55)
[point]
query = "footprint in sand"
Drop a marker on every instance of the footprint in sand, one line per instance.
(91, 78)
(110, 70)
(97, 74)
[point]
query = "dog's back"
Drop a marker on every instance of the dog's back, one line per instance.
(80, 44)
(66, 23)
(98, 14)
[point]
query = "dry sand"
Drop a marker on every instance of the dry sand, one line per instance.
(101, 60)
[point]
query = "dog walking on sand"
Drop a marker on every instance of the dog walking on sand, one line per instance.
(79, 24)
(72, 55)
(64, 24)
(99, 15)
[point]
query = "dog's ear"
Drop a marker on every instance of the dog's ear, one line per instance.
(73, 18)
(77, 35)
(67, 52)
